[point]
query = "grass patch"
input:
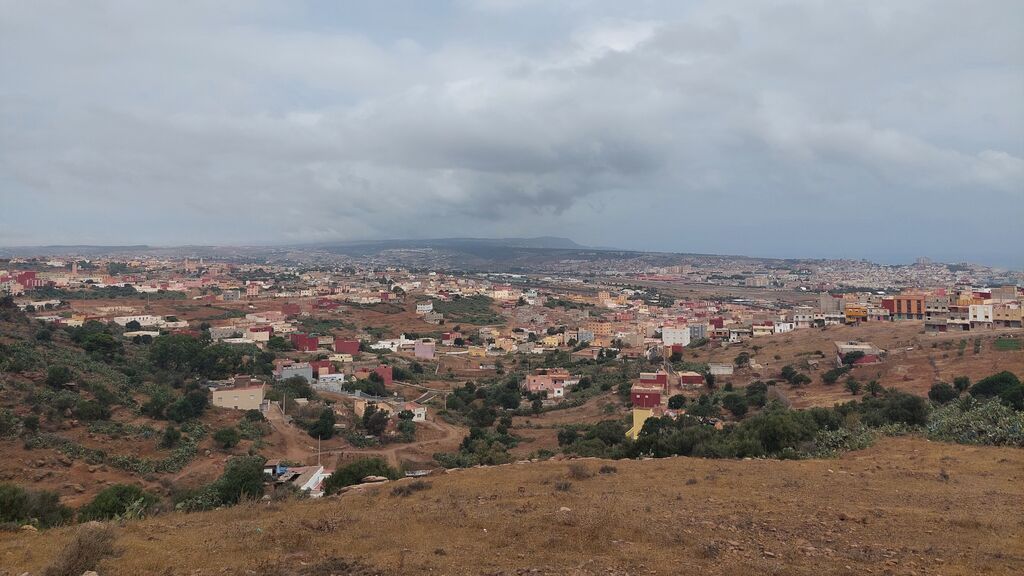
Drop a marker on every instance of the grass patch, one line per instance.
(469, 310)
(1007, 344)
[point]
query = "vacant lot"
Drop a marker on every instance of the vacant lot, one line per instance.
(904, 506)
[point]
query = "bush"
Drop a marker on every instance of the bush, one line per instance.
(735, 403)
(410, 488)
(355, 472)
(942, 393)
(117, 501)
(227, 437)
(579, 471)
(21, 506)
(57, 376)
(1004, 385)
(90, 544)
(677, 401)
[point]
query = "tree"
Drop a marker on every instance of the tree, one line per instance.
(374, 421)
(676, 402)
(324, 426)
(851, 357)
(115, 501)
(227, 437)
(242, 478)
(57, 376)
(742, 359)
(874, 388)
(132, 326)
(961, 383)
(735, 403)
(853, 385)
(942, 393)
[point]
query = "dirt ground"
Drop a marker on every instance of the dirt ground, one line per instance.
(904, 506)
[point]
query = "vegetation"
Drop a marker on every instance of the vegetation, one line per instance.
(354, 473)
(118, 501)
(37, 507)
(468, 310)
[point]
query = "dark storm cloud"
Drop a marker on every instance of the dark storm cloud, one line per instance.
(679, 126)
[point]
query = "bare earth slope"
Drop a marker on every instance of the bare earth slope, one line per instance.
(905, 506)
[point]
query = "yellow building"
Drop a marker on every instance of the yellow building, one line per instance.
(856, 312)
(240, 397)
(640, 415)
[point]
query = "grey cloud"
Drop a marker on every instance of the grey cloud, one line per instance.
(257, 122)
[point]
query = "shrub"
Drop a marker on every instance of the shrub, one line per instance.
(57, 376)
(18, 505)
(972, 422)
(942, 393)
(242, 478)
(735, 403)
(117, 501)
(607, 469)
(90, 544)
(170, 438)
(355, 472)
(579, 471)
(227, 437)
(1004, 385)
(563, 486)
(676, 401)
(961, 383)
(410, 488)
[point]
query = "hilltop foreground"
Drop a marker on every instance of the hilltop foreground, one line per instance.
(904, 506)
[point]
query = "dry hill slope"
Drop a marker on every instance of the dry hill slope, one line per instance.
(905, 506)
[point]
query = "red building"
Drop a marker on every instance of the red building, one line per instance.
(691, 378)
(645, 396)
(717, 322)
(321, 367)
(385, 374)
(305, 343)
(657, 379)
(346, 346)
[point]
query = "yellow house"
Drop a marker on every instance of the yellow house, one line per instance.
(640, 415)
(240, 397)
(552, 341)
(477, 352)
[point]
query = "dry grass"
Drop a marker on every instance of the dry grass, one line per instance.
(888, 504)
(90, 543)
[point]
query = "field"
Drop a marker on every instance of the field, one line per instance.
(915, 361)
(904, 506)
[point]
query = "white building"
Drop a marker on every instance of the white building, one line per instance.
(671, 335)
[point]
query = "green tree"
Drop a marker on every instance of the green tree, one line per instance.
(735, 403)
(323, 428)
(677, 401)
(942, 393)
(961, 383)
(374, 421)
(853, 385)
(242, 478)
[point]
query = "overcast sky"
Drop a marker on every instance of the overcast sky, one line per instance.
(885, 130)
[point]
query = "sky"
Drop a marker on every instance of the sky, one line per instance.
(802, 128)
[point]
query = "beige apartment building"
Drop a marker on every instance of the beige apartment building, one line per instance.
(244, 394)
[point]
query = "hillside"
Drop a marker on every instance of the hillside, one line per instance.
(904, 506)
